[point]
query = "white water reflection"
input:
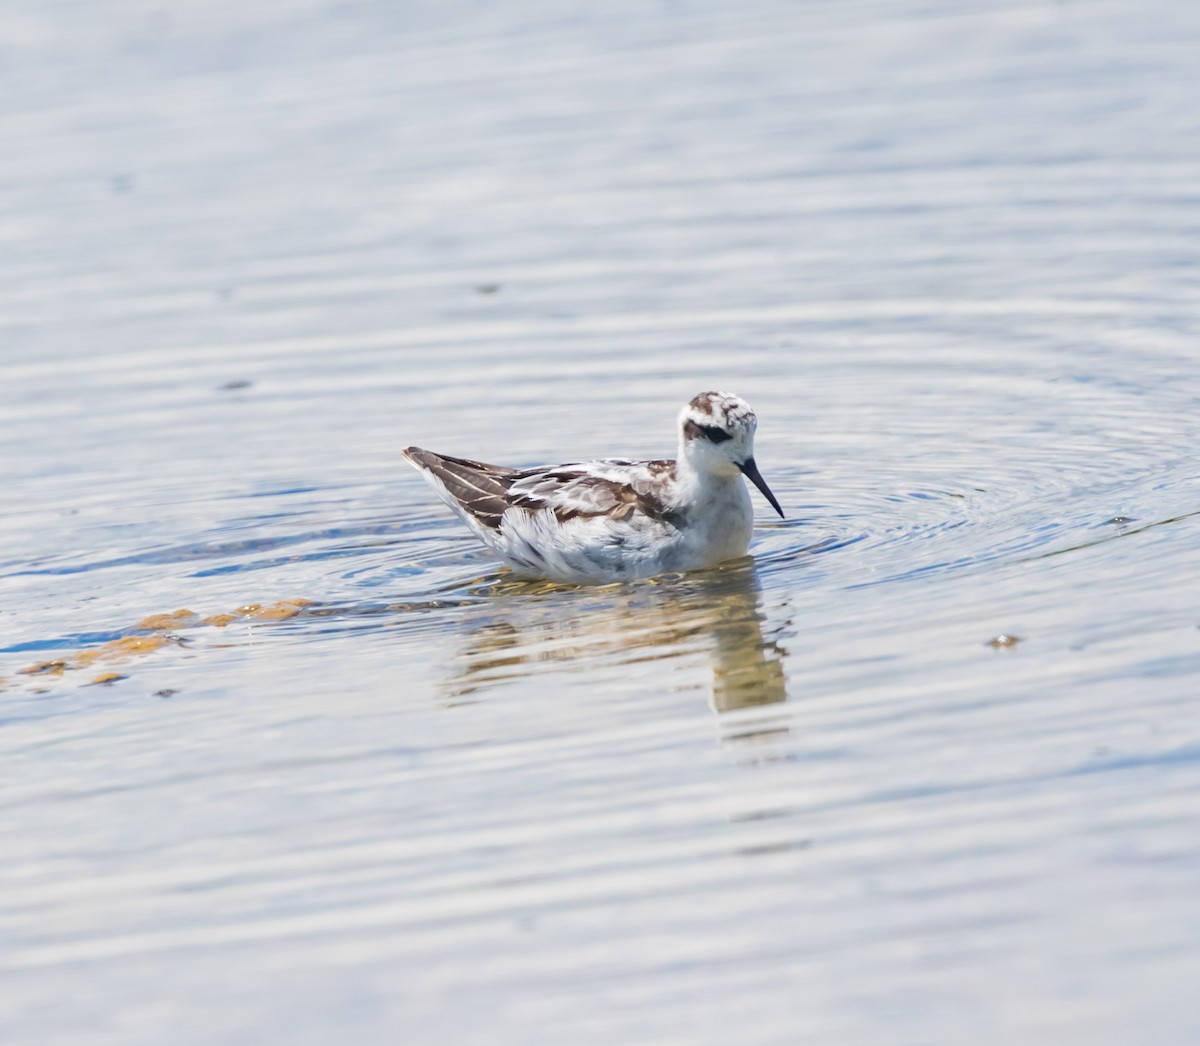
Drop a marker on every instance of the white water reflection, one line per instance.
(525, 628)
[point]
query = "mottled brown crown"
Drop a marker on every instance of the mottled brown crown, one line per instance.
(717, 410)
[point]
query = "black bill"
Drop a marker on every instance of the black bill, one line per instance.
(750, 471)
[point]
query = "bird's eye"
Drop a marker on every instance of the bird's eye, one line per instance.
(714, 434)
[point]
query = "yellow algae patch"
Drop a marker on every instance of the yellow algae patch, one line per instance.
(106, 677)
(86, 657)
(116, 649)
(162, 622)
(280, 611)
(275, 612)
(129, 646)
(56, 667)
(161, 628)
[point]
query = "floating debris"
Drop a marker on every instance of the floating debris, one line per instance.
(235, 385)
(56, 667)
(280, 611)
(1004, 641)
(127, 646)
(166, 692)
(157, 631)
(162, 622)
(783, 846)
(1118, 521)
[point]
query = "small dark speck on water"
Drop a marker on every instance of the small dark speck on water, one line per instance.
(1119, 521)
(487, 288)
(166, 692)
(1004, 641)
(774, 848)
(233, 386)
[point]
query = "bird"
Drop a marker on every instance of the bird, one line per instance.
(597, 522)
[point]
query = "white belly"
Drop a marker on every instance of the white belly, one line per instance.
(600, 549)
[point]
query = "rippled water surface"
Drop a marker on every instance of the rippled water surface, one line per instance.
(287, 757)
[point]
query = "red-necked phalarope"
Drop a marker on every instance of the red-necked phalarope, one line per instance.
(600, 521)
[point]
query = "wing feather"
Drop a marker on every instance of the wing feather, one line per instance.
(482, 493)
(594, 488)
(478, 489)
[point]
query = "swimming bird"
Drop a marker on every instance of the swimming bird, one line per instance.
(600, 521)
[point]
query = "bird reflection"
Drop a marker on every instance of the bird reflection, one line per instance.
(524, 624)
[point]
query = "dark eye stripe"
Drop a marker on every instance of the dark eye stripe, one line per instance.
(715, 434)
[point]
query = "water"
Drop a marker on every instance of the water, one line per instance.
(369, 786)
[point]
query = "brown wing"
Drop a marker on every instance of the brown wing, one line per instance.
(480, 489)
(597, 488)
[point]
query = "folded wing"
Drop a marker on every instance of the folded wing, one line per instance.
(611, 488)
(482, 493)
(478, 490)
